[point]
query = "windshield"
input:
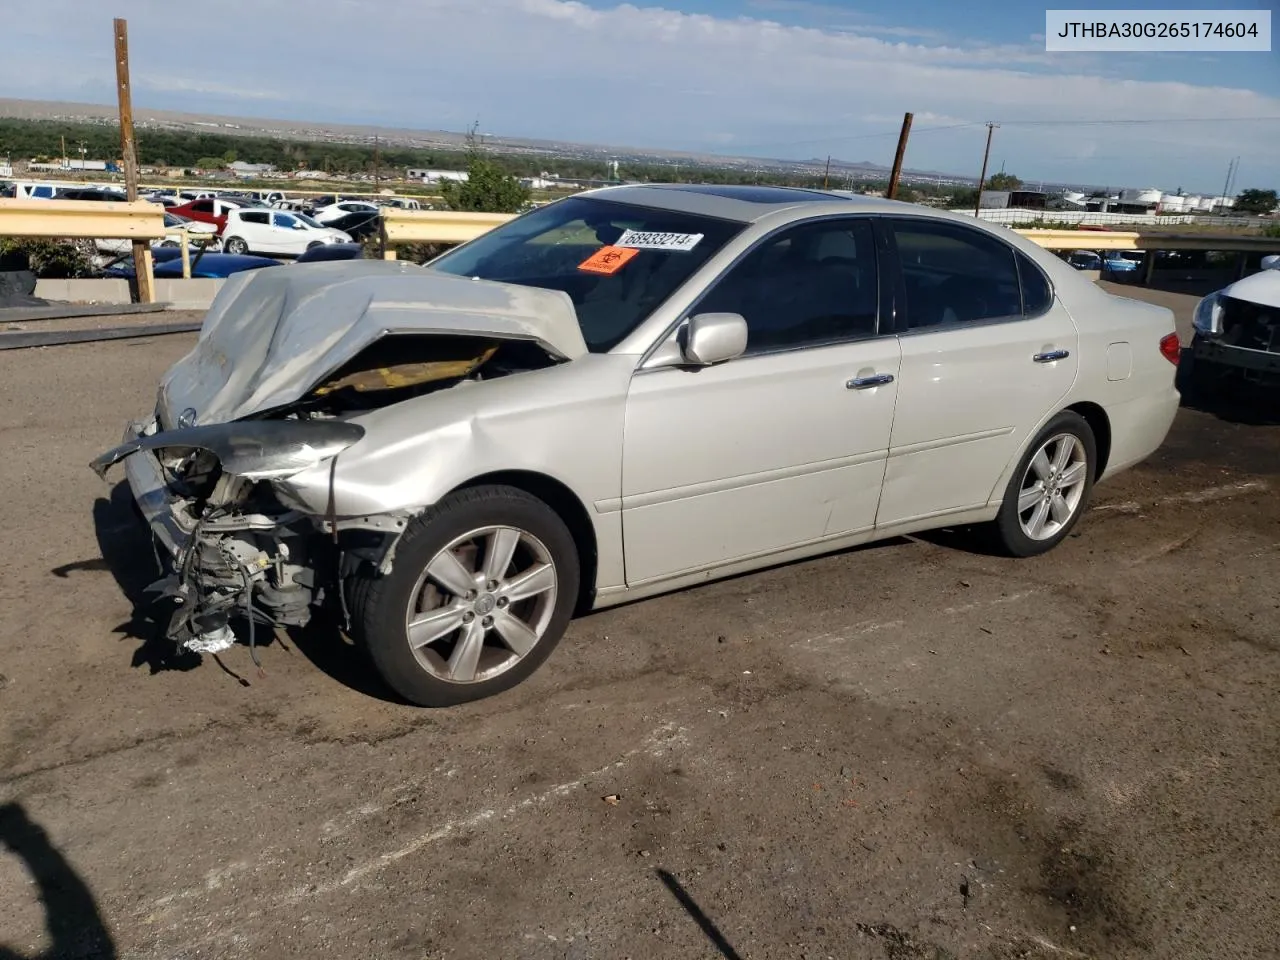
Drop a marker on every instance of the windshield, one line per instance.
(617, 262)
(308, 221)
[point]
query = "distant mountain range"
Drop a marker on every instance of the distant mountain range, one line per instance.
(426, 139)
(841, 170)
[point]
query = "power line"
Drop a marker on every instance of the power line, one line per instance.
(1022, 123)
(860, 136)
(1140, 120)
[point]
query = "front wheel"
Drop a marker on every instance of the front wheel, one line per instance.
(482, 589)
(1050, 487)
(237, 246)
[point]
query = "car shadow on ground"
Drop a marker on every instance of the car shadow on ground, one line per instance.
(74, 924)
(331, 651)
(129, 556)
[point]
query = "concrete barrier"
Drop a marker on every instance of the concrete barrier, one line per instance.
(85, 291)
(194, 294)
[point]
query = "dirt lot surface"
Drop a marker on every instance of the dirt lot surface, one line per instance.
(912, 750)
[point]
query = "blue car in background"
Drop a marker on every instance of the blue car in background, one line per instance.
(1110, 262)
(205, 266)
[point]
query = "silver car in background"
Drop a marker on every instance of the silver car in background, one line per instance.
(619, 394)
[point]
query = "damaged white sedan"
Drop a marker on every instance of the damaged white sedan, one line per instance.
(619, 394)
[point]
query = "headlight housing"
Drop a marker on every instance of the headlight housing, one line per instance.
(250, 449)
(1208, 315)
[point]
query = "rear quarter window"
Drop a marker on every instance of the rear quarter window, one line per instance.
(1037, 294)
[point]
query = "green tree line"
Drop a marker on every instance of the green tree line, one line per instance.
(27, 139)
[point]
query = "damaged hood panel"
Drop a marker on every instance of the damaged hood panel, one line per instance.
(271, 335)
(1260, 288)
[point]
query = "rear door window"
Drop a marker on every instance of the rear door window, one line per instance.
(954, 274)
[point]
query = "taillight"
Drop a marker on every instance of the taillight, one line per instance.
(1171, 348)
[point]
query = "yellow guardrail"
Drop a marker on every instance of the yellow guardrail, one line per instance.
(435, 226)
(89, 220)
(445, 226)
(1147, 240)
(82, 219)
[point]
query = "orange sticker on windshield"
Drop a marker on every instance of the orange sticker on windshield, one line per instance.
(607, 260)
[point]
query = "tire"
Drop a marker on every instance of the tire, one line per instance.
(237, 246)
(168, 243)
(313, 244)
(464, 525)
(1016, 530)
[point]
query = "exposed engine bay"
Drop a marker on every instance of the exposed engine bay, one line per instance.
(1254, 326)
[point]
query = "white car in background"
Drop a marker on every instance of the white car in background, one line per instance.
(276, 232)
(202, 235)
(1237, 336)
(335, 211)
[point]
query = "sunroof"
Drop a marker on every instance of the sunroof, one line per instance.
(753, 194)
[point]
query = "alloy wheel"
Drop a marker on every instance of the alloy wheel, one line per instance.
(1053, 486)
(482, 604)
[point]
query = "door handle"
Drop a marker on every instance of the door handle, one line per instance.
(1051, 355)
(866, 383)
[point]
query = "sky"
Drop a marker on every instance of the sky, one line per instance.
(793, 79)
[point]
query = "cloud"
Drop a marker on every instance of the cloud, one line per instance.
(646, 76)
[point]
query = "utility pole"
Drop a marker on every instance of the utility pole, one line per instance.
(64, 151)
(1231, 181)
(897, 157)
(826, 176)
(982, 178)
(129, 156)
(375, 163)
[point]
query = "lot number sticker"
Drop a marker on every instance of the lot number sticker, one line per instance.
(607, 260)
(642, 240)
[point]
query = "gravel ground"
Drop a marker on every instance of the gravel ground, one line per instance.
(910, 750)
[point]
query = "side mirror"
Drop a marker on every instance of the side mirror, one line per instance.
(1272, 262)
(713, 338)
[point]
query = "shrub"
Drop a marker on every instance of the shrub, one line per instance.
(47, 259)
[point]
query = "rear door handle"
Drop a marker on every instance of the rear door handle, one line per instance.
(866, 383)
(1051, 355)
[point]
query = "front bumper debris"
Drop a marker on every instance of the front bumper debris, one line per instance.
(146, 479)
(1263, 362)
(226, 547)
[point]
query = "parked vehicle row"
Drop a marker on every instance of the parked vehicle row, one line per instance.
(202, 235)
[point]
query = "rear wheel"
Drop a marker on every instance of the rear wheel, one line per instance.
(482, 589)
(237, 246)
(1050, 488)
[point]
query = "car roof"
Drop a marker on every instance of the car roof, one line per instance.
(745, 204)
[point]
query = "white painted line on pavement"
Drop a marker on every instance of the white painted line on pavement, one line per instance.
(665, 738)
(868, 627)
(1194, 496)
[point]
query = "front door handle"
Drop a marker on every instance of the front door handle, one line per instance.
(1051, 355)
(866, 383)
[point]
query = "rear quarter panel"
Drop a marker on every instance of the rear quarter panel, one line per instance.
(1123, 371)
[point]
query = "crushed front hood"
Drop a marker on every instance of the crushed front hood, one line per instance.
(1260, 288)
(271, 335)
